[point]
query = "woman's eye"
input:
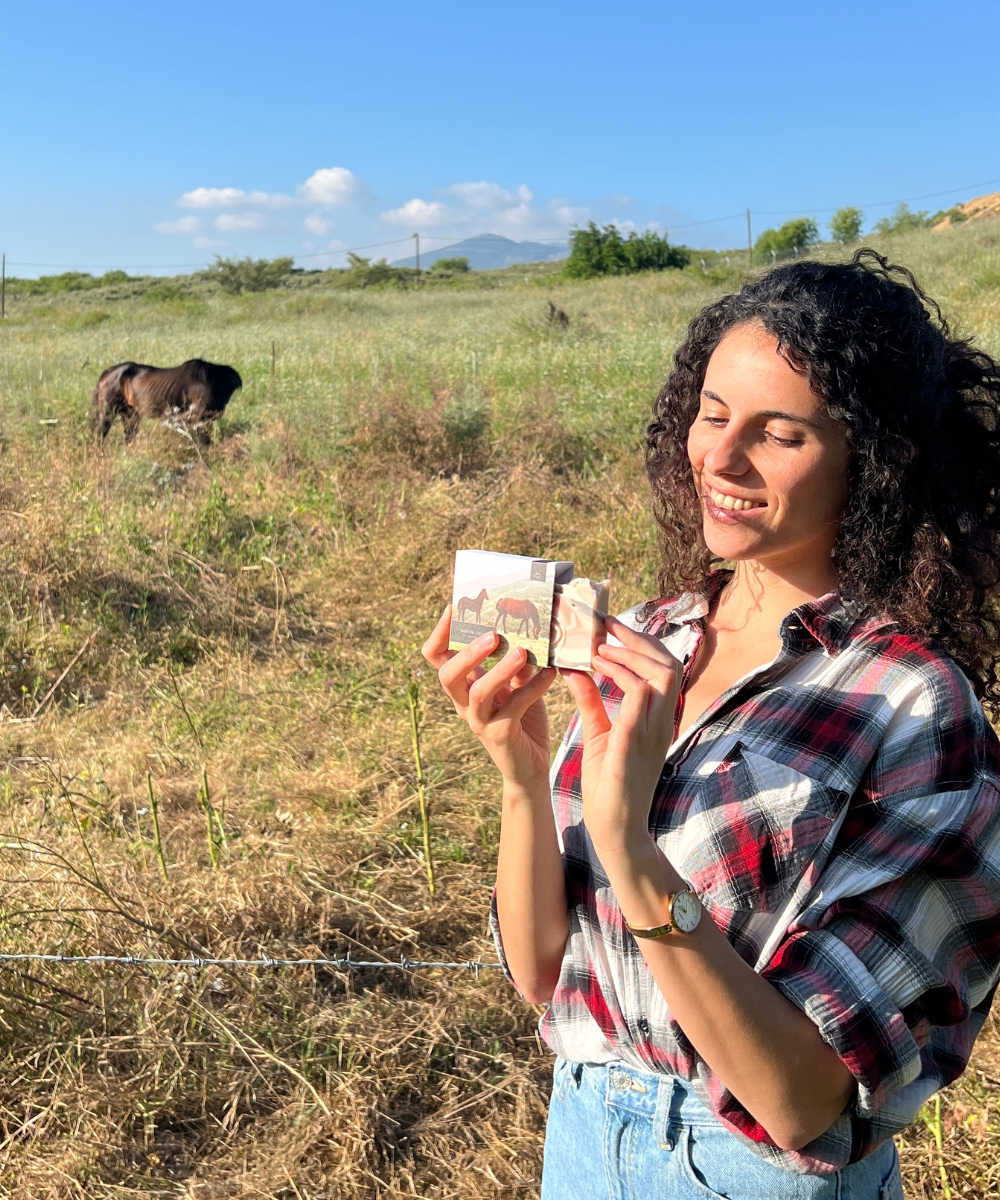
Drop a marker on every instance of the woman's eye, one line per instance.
(780, 441)
(716, 421)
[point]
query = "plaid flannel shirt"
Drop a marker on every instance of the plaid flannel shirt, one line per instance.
(837, 812)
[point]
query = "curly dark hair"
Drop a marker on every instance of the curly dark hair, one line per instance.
(920, 540)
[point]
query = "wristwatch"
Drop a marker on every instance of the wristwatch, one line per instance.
(685, 912)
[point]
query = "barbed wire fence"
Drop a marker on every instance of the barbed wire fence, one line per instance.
(344, 963)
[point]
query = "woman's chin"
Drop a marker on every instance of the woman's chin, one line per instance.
(732, 545)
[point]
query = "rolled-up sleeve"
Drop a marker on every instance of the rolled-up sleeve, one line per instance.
(498, 942)
(896, 960)
(853, 1014)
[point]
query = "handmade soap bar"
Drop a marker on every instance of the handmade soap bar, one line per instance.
(578, 611)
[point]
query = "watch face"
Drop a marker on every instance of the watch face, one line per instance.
(686, 911)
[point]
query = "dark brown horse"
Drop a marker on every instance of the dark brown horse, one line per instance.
(522, 611)
(189, 397)
(475, 604)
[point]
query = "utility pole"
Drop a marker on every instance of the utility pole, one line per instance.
(3, 289)
(416, 238)
(749, 242)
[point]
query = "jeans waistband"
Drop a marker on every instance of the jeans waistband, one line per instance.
(663, 1098)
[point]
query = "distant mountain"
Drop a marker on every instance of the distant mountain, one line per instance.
(489, 252)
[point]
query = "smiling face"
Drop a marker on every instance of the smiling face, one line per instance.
(769, 462)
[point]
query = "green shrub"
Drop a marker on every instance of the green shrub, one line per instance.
(904, 220)
(458, 265)
(845, 224)
(68, 281)
(793, 235)
(238, 275)
(162, 293)
(954, 216)
(604, 251)
(362, 272)
(464, 421)
(88, 320)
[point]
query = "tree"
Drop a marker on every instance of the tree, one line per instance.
(237, 275)
(365, 273)
(903, 220)
(845, 224)
(458, 265)
(604, 251)
(793, 235)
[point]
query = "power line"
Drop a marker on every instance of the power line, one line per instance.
(200, 265)
(105, 267)
(709, 221)
(317, 254)
(351, 249)
(784, 212)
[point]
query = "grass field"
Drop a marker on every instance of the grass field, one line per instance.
(253, 614)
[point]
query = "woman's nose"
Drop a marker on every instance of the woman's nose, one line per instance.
(727, 455)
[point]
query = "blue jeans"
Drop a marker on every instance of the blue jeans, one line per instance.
(615, 1133)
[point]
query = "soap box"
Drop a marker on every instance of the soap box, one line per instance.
(531, 602)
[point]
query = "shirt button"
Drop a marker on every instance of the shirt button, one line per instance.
(643, 1026)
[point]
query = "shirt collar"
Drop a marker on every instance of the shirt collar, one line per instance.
(829, 620)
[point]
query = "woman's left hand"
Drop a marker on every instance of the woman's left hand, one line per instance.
(622, 760)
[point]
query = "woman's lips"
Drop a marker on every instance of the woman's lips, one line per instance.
(731, 516)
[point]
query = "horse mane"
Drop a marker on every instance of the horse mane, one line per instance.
(197, 368)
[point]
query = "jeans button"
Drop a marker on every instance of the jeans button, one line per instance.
(620, 1081)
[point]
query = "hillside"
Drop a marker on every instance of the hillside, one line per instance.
(979, 208)
(235, 631)
(490, 251)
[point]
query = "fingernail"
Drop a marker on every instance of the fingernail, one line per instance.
(484, 639)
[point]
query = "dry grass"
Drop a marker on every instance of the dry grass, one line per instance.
(257, 616)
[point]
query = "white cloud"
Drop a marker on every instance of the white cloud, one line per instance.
(184, 225)
(488, 195)
(237, 222)
(626, 226)
(318, 225)
(211, 198)
(334, 186)
(328, 187)
(207, 243)
(420, 212)
(484, 207)
(232, 198)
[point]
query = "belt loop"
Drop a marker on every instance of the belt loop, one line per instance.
(664, 1133)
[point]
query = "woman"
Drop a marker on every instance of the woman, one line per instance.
(760, 894)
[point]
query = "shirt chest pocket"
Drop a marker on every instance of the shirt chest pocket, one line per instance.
(753, 828)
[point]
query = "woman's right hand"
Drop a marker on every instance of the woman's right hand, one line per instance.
(502, 706)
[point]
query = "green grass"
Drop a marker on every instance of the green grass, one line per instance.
(257, 613)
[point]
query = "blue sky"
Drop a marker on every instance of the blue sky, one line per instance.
(149, 135)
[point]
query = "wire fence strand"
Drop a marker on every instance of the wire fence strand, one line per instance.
(345, 963)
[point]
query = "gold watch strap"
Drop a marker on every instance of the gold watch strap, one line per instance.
(655, 931)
